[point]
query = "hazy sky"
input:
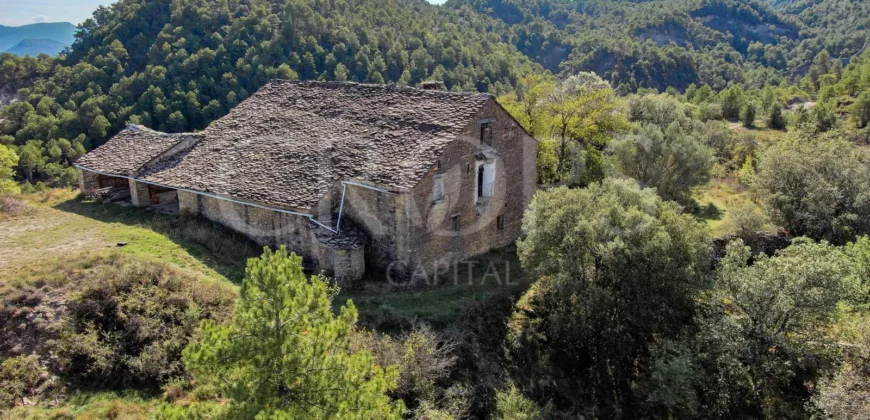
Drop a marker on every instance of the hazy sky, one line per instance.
(22, 12)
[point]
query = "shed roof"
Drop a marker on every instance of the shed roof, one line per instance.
(130, 150)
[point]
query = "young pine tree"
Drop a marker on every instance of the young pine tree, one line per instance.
(285, 354)
(748, 115)
(776, 121)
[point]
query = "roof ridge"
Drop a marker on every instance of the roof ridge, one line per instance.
(391, 86)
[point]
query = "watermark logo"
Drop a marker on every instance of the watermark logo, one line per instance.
(472, 272)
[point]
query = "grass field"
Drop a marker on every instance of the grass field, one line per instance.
(60, 224)
(59, 228)
(494, 275)
(717, 198)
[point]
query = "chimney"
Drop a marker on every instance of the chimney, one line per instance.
(432, 85)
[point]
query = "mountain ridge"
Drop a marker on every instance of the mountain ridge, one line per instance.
(60, 32)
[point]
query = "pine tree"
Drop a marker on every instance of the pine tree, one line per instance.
(748, 115)
(776, 121)
(861, 110)
(285, 354)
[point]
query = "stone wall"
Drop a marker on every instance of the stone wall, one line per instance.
(273, 228)
(89, 181)
(140, 195)
(384, 218)
(514, 155)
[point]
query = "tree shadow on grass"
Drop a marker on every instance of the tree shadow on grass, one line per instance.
(214, 245)
(707, 212)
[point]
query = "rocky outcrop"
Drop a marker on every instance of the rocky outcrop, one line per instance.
(7, 96)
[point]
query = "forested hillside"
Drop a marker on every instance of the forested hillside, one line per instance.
(839, 26)
(698, 247)
(668, 43)
(176, 66)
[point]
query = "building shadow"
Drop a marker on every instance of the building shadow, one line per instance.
(221, 249)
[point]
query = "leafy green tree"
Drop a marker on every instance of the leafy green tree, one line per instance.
(512, 405)
(673, 162)
(286, 355)
(760, 342)
(8, 162)
(816, 187)
(577, 112)
(616, 267)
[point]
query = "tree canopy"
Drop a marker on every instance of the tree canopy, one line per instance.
(284, 354)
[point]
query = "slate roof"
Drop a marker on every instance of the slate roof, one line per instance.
(126, 153)
(289, 142)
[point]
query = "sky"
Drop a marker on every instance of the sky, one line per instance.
(23, 12)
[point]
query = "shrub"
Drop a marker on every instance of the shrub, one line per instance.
(816, 187)
(845, 395)
(425, 360)
(128, 322)
(747, 222)
(14, 207)
(20, 377)
(512, 405)
(673, 162)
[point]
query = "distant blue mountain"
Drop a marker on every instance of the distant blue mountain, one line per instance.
(34, 47)
(62, 33)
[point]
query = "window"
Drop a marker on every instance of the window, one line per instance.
(438, 187)
(499, 222)
(456, 226)
(486, 132)
(438, 164)
(480, 172)
(485, 180)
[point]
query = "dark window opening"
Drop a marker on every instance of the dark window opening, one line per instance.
(499, 222)
(480, 181)
(468, 169)
(456, 223)
(486, 132)
(438, 164)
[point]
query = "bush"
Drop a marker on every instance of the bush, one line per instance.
(845, 395)
(20, 377)
(425, 360)
(816, 187)
(14, 207)
(512, 405)
(747, 222)
(711, 112)
(127, 323)
(673, 162)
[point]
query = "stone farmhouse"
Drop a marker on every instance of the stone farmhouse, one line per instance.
(350, 176)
